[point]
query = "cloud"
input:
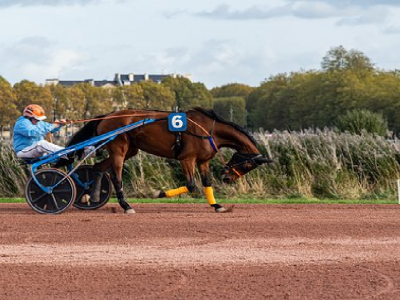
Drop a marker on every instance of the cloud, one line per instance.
(254, 12)
(175, 13)
(376, 15)
(317, 10)
(26, 3)
(38, 58)
(352, 3)
(350, 13)
(303, 10)
(392, 30)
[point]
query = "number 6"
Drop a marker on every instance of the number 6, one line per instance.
(177, 122)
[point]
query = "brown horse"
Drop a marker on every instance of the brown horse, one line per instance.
(206, 133)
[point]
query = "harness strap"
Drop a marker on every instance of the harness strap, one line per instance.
(212, 143)
(215, 147)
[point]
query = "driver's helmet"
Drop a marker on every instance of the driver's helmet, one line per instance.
(34, 111)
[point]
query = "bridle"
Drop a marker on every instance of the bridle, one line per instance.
(239, 159)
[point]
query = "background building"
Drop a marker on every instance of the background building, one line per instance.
(119, 80)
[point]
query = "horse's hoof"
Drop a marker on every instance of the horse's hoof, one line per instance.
(221, 210)
(85, 198)
(159, 194)
(130, 211)
(224, 210)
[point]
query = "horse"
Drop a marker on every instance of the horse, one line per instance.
(206, 133)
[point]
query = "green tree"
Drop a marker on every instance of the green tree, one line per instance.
(347, 81)
(188, 94)
(61, 105)
(9, 112)
(231, 109)
(339, 58)
(156, 96)
(128, 96)
(75, 108)
(96, 101)
(266, 107)
(232, 90)
(28, 92)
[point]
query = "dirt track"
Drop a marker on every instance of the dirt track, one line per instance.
(186, 251)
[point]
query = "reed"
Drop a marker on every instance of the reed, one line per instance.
(309, 164)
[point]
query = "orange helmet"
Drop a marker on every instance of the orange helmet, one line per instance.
(34, 111)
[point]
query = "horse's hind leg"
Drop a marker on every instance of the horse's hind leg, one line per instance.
(204, 168)
(116, 179)
(98, 172)
(114, 162)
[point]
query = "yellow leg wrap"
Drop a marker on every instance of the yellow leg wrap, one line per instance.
(210, 195)
(176, 192)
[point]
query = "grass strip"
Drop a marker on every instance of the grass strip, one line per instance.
(233, 201)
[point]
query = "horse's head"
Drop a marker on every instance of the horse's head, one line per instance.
(240, 164)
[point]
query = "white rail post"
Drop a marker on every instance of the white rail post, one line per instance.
(398, 190)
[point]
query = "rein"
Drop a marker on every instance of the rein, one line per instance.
(102, 118)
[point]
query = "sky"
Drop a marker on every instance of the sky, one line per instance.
(216, 42)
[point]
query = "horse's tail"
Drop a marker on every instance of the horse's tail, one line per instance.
(86, 132)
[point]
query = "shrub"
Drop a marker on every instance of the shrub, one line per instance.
(358, 121)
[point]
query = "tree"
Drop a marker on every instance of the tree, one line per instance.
(97, 101)
(9, 112)
(231, 109)
(28, 92)
(128, 96)
(156, 96)
(188, 94)
(266, 106)
(339, 58)
(232, 90)
(61, 105)
(75, 103)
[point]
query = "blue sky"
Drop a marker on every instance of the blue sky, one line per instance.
(217, 42)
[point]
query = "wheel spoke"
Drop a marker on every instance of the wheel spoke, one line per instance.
(55, 201)
(53, 180)
(64, 190)
(39, 198)
(86, 174)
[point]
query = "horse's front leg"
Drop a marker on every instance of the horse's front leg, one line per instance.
(188, 166)
(205, 174)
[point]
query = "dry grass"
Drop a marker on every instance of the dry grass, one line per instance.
(310, 164)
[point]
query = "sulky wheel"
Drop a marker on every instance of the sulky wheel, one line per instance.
(83, 177)
(56, 200)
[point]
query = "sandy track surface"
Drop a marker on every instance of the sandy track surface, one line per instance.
(170, 251)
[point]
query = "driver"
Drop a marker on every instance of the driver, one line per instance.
(30, 132)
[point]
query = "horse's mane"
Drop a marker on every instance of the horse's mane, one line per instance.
(211, 114)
